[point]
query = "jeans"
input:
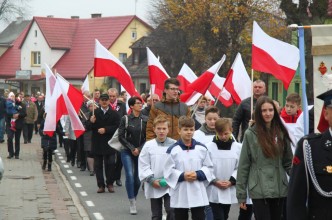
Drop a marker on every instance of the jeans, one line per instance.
(130, 164)
(2, 128)
(157, 208)
(10, 136)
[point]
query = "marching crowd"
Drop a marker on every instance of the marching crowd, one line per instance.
(192, 161)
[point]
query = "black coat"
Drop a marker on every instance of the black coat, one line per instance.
(319, 207)
(22, 112)
(41, 110)
(47, 141)
(110, 121)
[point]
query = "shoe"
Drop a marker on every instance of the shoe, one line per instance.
(49, 167)
(25, 142)
(73, 163)
(110, 188)
(9, 157)
(44, 165)
(1, 141)
(29, 142)
(118, 182)
(17, 157)
(132, 207)
(92, 173)
(78, 165)
(82, 169)
(68, 159)
(101, 190)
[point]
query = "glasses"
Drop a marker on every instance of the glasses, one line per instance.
(155, 100)
(138, 103)
(174, 89)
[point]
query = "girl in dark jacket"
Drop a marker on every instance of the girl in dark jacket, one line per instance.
(49, 144)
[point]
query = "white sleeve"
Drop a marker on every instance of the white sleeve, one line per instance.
(171, 174)
(207, 167)
(144, 163)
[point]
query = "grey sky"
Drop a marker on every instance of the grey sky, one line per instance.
(84, 8)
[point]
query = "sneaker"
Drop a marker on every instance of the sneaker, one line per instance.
(118, 182)
(17, 157)
(92, 173)
(132, 207)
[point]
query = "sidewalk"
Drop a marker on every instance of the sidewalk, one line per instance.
(28, 192)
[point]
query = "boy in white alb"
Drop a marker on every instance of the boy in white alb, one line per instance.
(151, 163)
(188, 170)
(224, 152)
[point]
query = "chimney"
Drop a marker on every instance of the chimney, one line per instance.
(74, 17)
(50, 16)
(96, 15)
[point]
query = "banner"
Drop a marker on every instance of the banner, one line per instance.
(322, 64)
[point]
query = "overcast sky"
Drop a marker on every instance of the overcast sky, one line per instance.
(84, 8)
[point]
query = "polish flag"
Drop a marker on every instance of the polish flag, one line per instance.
(157, 74)
(58, 105)
(71, 105)
(50, 83)
(238, 82)
(273, 56)
(218, 90)
(85, 87)
(186, 76)
(200, 85)
(106, 64)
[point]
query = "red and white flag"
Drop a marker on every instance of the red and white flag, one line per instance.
(218, 90)
(106, 64)
(58, 107)
(200, 86)
(273, 56)
(85, 86)
(50, 83)
(238, 82)
(157, 74)
(186, 77)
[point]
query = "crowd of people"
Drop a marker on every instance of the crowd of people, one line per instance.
(191, 161)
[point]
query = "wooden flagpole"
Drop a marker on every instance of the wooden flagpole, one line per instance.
(252, 95)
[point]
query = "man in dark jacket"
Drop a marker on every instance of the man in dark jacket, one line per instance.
(243, 111)
(40, 104)
(18, 126)
(104, 124)
(120, 108)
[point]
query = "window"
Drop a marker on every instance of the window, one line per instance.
(35, 58)
(142, 87)
(36, 33)
(136, 57)
(123, 57)
(275, 91)
(133, 35)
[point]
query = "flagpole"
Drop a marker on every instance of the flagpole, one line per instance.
(195, 108)
(305, 111)
(252, 95)
(93, 94)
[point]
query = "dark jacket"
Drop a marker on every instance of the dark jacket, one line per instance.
(2, 107)
(134, 135)
(121, 108)
(21, 115)
(315, 206)
(46, 141)
(242, 117)
(40, 109)
(172, 110)
(110, 121)
(146, 110)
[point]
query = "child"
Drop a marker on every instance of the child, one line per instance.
(292, 110)
(11, 109)
(150, 168)
(188, 170)
(49, 144)
(224, 152)
(207, 131)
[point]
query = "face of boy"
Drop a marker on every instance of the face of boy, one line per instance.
(225, 135)
(211, 119)
(291, 108)
(161, 131)
(186, 133)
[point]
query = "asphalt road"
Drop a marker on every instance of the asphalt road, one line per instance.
(108, 206)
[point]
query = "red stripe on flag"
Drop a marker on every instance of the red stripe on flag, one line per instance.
(230, 87)
(263, 62)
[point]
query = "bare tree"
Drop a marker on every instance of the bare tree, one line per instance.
(10, 9)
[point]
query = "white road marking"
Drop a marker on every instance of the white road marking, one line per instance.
(69, 171)
(58, 154)
(73, 178)
(66, 166)
(63, 161)
(83, 193)
(60, 157)
(98, 216)
(89, 203)
(78, 185)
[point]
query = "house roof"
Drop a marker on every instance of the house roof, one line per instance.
(12, 31)
(78, 61)
(10, 61)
